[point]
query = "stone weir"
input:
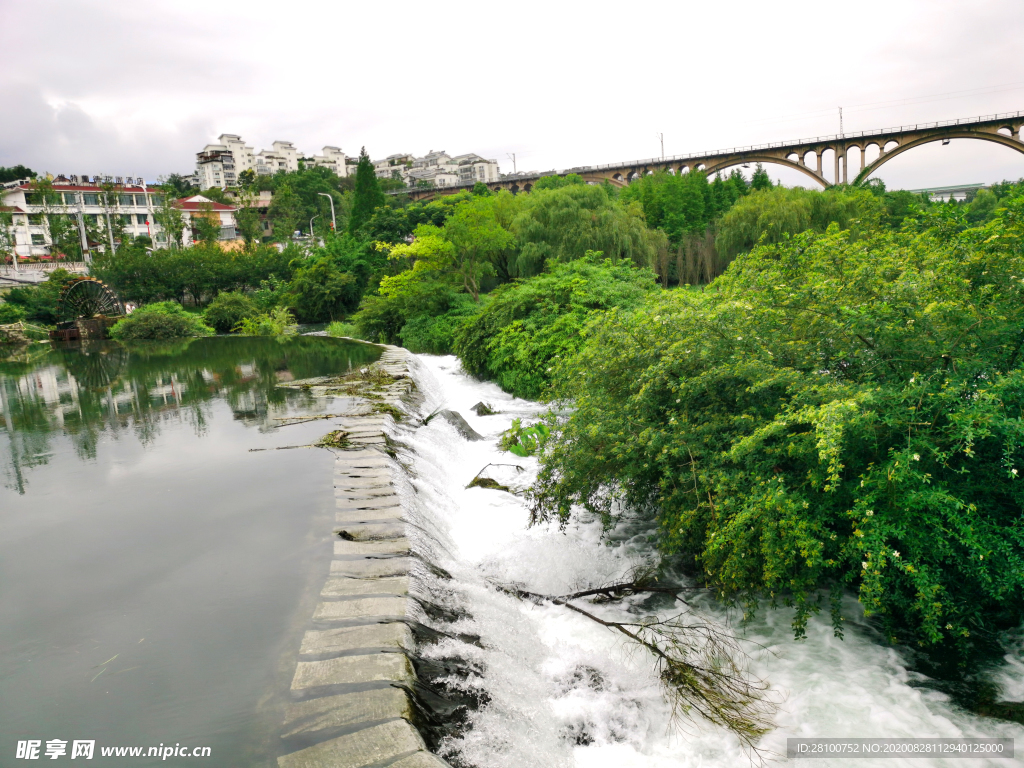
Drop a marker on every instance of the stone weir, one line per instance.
(356, 699)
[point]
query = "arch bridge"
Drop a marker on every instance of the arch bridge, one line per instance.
(804, 155)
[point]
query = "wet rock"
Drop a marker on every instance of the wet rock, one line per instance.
(483, 409)
(500, 477)
(455, 419)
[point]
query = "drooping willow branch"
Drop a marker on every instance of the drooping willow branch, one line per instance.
(699, 664)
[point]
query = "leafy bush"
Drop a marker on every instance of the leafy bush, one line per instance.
(38, 303)
(778, 212)
(524, 441)
(228, 309)
(837, 413)
(10, 313)
(528, 325)
(278, 322)
(160, 321)
(338, 329)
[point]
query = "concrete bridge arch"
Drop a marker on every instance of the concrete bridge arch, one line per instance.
(997, 138)
(766, 160)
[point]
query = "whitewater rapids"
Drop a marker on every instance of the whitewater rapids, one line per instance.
(564, 692)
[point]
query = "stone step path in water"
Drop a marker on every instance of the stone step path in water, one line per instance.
(362, 638)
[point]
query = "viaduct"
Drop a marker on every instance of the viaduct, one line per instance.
(804, 155)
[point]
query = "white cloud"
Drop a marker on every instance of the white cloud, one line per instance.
(126, 87)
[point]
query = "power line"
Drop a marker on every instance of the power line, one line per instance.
(906, 101)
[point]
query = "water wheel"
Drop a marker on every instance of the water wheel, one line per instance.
(87, 297)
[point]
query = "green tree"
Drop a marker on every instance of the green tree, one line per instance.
(367, 196)
(477, 239)
(177, 186)
(840, 413)
(205, 224)
(16, 173)
(564, 223)
(228, 309)
(284, 213)
(771, 215)
(760, 181)
(161, 321)
(321, 292)
(528, 325)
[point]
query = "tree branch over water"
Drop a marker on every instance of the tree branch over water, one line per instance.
(700, 664)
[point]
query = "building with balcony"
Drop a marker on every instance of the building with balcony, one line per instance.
(102, 209)
(438, 169)
(221, 164)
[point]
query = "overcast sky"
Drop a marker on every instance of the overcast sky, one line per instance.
(117, 87)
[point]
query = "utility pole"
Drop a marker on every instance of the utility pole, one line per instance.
(512, 157)
(334, 222)
(841, 122)
(661, 137)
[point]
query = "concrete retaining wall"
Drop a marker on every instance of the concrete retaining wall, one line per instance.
(351, 696)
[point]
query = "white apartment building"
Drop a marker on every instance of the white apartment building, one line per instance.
(219, 165)
(392, 164)
(473, 168)
(130, 206)
(333, 159)
(439, 169)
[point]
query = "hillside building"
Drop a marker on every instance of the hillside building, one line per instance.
(220, 165)
(99, 207)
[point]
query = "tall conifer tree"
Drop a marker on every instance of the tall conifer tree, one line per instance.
(367, 195)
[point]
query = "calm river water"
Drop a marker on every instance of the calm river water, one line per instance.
(155, 575)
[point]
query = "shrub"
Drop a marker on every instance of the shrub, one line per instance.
(278, 322)
(338, 329)
(527, 326)
(39, 303)
(837, 413)
(160, 321)
(10, 313)
(228, 309)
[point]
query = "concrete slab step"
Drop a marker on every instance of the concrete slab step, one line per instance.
(370, 531)
(386, 635)
(372, 568)
(346, 709)
(345, 586)
(382, 547)
(347, 670)
(368, 502)
(361, 608)
(369, 746)
(420, 760)
(359, 516)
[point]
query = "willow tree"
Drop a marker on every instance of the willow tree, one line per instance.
(563, 224)
(772, 214)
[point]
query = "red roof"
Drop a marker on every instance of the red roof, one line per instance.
(191, 204)
(57, 187)
(11, 209)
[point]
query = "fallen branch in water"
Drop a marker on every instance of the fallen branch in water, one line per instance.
(303, 419)
(699, 664)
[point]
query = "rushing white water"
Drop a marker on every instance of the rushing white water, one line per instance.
(564, 691)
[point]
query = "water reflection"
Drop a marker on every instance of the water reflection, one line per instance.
(90, 389)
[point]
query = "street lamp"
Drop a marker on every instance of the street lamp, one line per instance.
(311, 237)
(334, 223)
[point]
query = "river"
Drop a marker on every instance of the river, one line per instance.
(562, 691)
(156, 573)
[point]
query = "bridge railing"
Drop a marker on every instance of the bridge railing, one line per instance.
(879, 133)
